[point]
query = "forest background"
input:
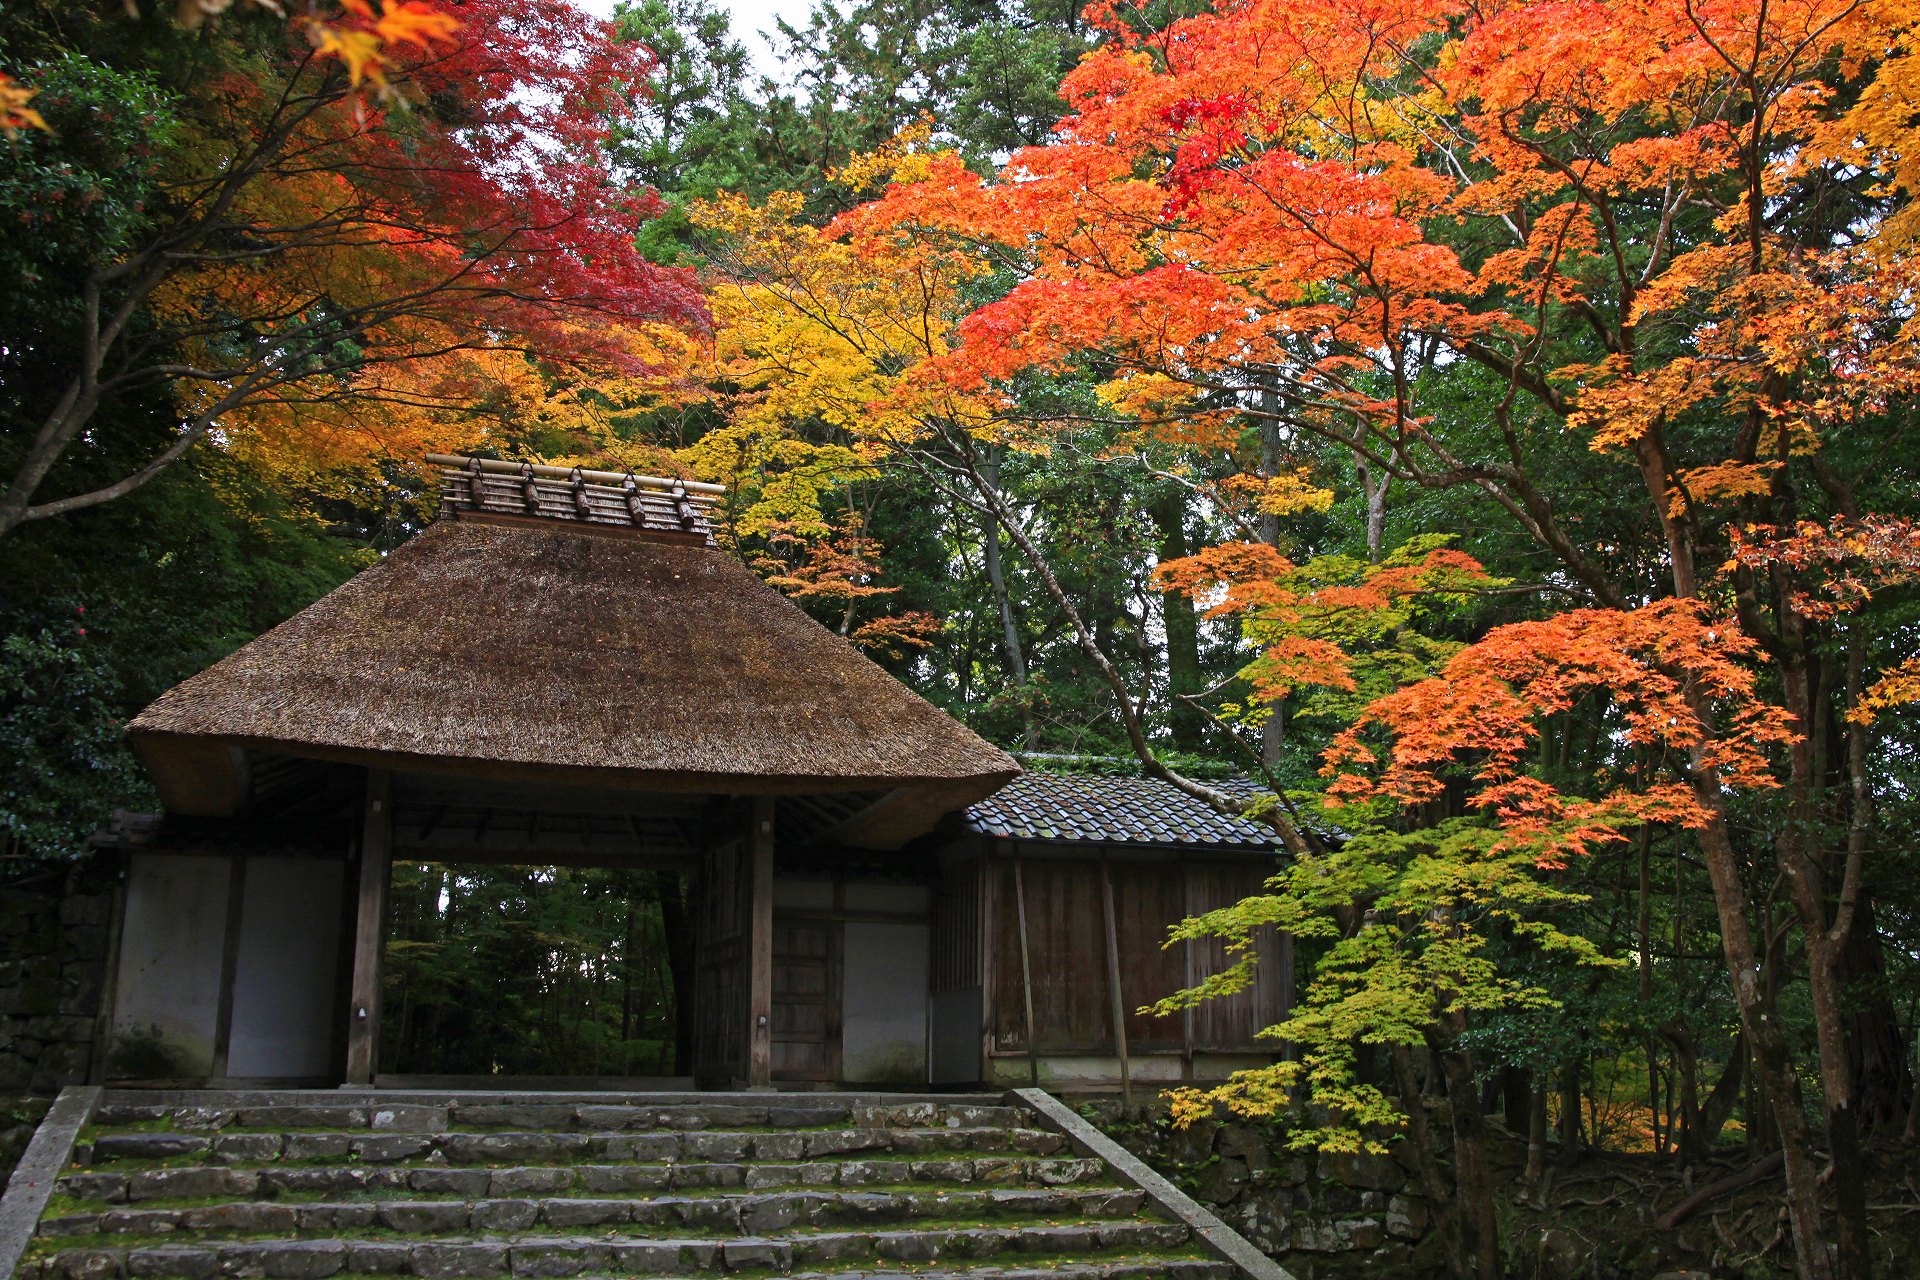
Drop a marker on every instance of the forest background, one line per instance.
(1487, 428)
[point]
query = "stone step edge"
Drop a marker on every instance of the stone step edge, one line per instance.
(1102, 1203)
(537, 1180)
(364, 1156)
(194, 1182)
(364, 1095)
(1105, 1265)
(844, 1142)
(613, 1233)
(1108, 1264)
(1052, 1240)
(439, 1118)
(1112, 1266)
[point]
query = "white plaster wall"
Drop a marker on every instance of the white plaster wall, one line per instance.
(167, 992)
(883, 1008)
(284, 979)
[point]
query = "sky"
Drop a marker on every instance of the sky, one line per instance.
(749, 18)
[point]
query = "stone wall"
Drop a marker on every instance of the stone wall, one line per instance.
(53, 962)
(1326, 1215)
(1347, 1217)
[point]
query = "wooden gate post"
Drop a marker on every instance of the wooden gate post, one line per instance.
(760, 945)
(370, 928)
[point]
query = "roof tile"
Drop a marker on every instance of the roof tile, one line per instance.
(1082, 808)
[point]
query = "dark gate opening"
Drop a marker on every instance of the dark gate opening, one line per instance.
(536, 971)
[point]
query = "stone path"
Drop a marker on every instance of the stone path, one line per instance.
(321, 1184)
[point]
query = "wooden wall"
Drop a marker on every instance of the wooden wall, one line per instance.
(1067, 955)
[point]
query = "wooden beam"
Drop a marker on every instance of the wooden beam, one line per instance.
(907, 812)
(370, 928)
(1113, 982)
(435, 851)
(760, 944)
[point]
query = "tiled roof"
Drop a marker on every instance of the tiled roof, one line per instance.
(1107, 810)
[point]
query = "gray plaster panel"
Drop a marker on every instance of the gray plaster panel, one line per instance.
(283, 986)
(884, 1003)
(167, 996)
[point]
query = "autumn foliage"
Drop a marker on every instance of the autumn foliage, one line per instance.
(1519, 397)
(1440, 240)
(463, 221)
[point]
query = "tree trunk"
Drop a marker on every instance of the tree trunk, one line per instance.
(1273, 730)
(1760, 1022)
(676, 924)
(1433, 1183)
(1703, 1131)
(1882, 1081)
(1536, 1135)
(1570, 1127)
(1184, 676)
(1010, 647)
(1825, 931)
(1472, 1177)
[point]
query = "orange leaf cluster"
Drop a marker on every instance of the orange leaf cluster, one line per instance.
(842, 570)
(15, 114)
(1848, 559)
(369, 28)
(1680, 682)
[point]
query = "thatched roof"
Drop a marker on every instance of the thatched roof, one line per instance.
(552, 650)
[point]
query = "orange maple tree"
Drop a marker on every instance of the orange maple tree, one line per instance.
(1439, 238)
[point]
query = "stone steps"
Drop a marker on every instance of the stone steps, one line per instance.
(292, 1186)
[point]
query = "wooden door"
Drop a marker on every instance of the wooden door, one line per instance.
(806, 1000)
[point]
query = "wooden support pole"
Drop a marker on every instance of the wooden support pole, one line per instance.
(760, 945)
(370, 928)
(1113, 983)
(1026, 971)
(229, 964)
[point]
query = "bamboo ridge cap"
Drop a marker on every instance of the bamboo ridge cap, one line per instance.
(493, 466)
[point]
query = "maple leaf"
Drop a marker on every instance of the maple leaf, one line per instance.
(364, 40)
(15, 114)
